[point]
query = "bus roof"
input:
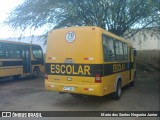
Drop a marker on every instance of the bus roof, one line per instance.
(8, 41)
(97, 28)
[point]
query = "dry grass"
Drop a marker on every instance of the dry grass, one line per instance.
(148, 60)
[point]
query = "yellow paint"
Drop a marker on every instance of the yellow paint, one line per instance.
(9, 71)
(17, 70)
(86, 44)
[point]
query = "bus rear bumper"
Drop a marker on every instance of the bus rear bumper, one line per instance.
(94, 89)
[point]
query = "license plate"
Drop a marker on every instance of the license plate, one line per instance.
(68, 88)
(68, 60)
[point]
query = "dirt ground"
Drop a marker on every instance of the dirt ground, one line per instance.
(30, 95)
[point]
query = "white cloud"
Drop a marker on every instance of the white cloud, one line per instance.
(6, 6)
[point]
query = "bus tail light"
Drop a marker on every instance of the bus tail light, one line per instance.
(89, 58)
(46, 76)
(98, 78)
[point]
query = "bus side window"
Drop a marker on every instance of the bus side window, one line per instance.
(37, 52)
(12, 51)
(7, 50)
(125, 49)
(1, 51)
(121, 51)
(108, 49)
(17, 51)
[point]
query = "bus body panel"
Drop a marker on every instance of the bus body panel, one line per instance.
(87, 89)
(9, 71)
(59, 48)
(17, 59)
(84, 54)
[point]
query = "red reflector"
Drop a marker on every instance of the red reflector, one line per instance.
(85, 88)
(85, 58)
(46, 76)
(98, 78)
(49, 58)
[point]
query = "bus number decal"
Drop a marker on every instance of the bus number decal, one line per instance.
(70, 36)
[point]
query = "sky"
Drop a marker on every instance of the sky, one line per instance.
(6, 6)
(6, 33)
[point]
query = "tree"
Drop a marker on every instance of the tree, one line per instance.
(116, 16)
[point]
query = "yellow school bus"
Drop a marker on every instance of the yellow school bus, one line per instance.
(88, 61)
(20, 59)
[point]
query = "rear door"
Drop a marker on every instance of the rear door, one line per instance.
(71, 55)
(132, 64)
(26, 57)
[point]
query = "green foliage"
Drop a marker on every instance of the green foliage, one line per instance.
(117, 16)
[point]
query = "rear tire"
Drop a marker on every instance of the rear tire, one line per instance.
(132, 84)
(117, 94)
(36, 73)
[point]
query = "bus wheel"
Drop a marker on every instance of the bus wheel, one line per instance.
(117, 94)
(16, 77)
(36, 72)
(132, 83)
